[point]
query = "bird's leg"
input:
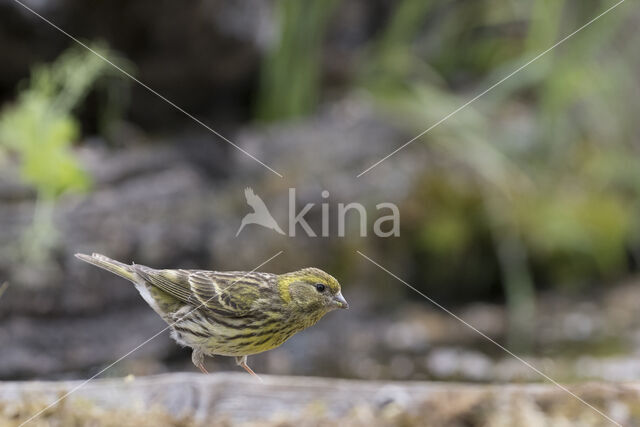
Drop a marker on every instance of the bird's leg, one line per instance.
(197, 357)
(242, 361)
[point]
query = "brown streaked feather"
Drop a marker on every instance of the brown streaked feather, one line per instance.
(173, 282)
(212, 290)
(217, 292)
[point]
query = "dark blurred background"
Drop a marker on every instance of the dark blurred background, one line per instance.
(520, 213)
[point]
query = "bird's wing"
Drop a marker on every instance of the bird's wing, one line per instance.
(254, 201)
(233, 294)
(173, 282)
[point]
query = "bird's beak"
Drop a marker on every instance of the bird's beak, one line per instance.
(339, 301)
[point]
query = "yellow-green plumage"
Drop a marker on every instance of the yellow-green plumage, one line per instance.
(231, 313)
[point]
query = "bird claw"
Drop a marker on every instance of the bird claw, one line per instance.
(250, 371)
(243, 363)
(197, 357)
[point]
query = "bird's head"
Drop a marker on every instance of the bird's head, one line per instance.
(311, 290)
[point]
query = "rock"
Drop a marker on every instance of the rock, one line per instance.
(203, 56)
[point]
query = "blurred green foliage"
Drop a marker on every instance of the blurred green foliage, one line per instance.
(290, 76)
(543, 171)
(40, 128)
(536, 183)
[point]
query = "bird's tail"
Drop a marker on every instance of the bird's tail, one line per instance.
(115, 267)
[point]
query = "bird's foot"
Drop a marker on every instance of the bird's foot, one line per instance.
(242, 361)
(197, 357)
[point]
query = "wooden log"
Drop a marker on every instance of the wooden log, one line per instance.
(240, 398)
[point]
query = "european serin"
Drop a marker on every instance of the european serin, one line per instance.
(231, 313)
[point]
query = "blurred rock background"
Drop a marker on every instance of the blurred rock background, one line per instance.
(519, 213)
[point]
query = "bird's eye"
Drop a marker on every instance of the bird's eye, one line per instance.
(320, 287)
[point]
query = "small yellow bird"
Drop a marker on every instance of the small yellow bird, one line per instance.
(231, 313)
